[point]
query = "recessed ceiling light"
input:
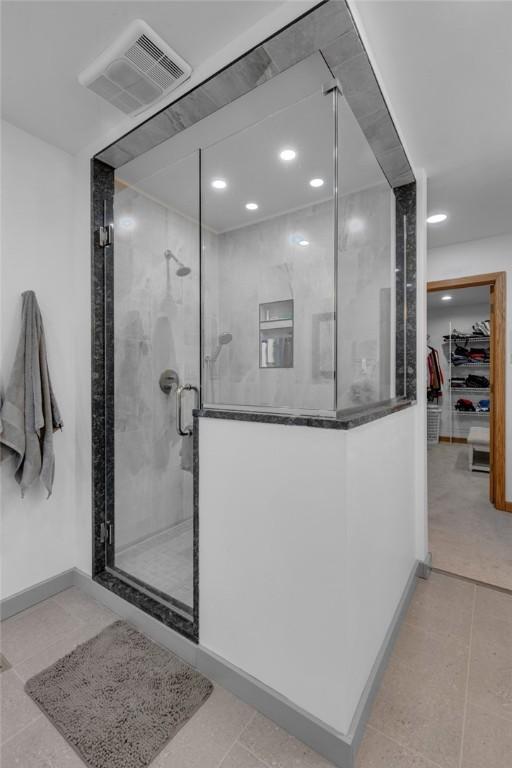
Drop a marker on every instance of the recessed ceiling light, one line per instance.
(446, 298)
(303, 243)
(287, 154)
(316, 183)
(219, 184)
(251, 206)
(437, 218)
(126, 222)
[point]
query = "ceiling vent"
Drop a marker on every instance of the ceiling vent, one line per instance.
(136, 70)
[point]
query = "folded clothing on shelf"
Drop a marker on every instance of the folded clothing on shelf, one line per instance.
(482, 328)
(460, 356)
(463, 404)
(477, 382)
(455, 335)
(458, 382)
(465, 355)
(483, 406)
(478, 354)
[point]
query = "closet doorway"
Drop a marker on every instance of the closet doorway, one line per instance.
(470, 525)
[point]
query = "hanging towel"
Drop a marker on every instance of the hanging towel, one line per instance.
(187, 453)
(29, 413)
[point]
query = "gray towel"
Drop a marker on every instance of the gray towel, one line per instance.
(187, 453)
(29, 414)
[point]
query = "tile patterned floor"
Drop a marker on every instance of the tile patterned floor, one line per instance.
(445, 700)
(163, 561)
(467, 535)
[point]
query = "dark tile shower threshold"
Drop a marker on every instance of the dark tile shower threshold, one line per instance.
(164, 597)
(348, 419)
(150, 605)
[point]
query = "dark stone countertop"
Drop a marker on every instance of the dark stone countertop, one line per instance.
(349, 419)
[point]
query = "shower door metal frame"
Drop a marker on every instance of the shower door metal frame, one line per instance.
(163, 607)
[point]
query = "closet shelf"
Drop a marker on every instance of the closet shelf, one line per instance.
(471, 365)
(470, 413)
(473, 390)
(466, 338)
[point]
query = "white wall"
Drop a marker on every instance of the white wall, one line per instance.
(303, 557)
(491, 254)
(38, 535)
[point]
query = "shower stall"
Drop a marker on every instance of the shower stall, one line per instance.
(255, 270)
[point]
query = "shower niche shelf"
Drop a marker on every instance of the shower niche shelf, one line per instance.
(276, 334)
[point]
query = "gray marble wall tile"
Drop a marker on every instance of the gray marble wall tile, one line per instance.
(102, 180)
(406, 374)
(311, 33)
(380, 132)
(139, 141)
(396, 167)
(356, 76)
(362, 102)
(114, 156)
(241, 77)
(343, 48)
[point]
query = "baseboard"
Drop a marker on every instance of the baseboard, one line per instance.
(444, 439)
(424, 567)
(508, 506)
(379, 667)
(12, 605)
(331, 744)
(340, 749)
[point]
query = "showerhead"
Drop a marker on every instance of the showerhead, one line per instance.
(182, 270)
(223, 339)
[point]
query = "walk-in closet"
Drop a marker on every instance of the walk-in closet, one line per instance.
(459, 365)
(470, 532)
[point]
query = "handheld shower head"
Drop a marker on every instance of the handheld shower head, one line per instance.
(224, 338)
(182, 270)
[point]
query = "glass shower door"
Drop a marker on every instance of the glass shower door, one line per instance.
(156, 378)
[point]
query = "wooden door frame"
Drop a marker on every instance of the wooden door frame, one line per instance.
(497, 282)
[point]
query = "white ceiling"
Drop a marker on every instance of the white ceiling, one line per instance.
(241, 144)
(461, 297)
(45, 45)
(447, 69)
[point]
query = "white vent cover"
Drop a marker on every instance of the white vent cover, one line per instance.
(136, 70)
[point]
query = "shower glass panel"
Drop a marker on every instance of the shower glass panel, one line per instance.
(268, 262)
(366, 270)
(156, 350)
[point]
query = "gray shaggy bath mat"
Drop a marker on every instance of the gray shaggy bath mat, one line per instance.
(119, 697)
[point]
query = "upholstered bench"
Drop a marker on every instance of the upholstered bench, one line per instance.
(479, 452)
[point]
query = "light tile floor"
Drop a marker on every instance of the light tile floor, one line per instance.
(467, 535)
(445, 700)
(163, 561)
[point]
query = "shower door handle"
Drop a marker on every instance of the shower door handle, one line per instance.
(179, 393)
